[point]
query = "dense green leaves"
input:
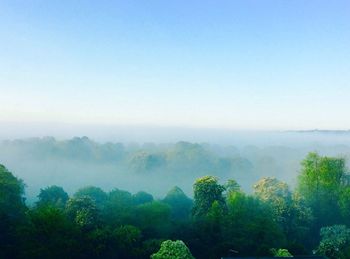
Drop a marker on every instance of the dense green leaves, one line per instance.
(54, 196)
(12, 211)
(173, 250)
(206, 191)
(334, 241)
(221, 221)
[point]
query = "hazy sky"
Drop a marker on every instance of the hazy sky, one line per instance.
(230, 64)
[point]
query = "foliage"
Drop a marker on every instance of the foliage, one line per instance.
(12, 209)
(83, 211)
(321, 183)
(142, 197)
(50, 234)
(180, 204)
(281, 252)
(173, 250)
(221, 221)
(54, 196)
(95, 193)
(206, 191)
(334, 240)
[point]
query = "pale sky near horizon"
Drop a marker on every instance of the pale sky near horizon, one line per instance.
(218, 64)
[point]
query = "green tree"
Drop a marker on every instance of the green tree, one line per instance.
(180, 204)
(95, 193)
(344, 203)
(118, 208)
(128, 239)
(142, 197)
(83, 211)
(288, 210)
(320, 183)
(335, 242)
(206, 191)
(173, 250)
(12, 209)
(50, 234)
(232, 186)
(153, 219)
(281, 252)
(54, 196)
(249, 227)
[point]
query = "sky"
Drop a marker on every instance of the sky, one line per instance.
(257, 65)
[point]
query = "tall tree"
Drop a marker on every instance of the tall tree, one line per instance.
(12, 210)
(83, 211)
(320, 183)
(54, 196)
(180, 204)
(206, 191)
(95, 193)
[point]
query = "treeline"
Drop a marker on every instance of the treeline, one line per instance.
(130, 165)
(221, 220)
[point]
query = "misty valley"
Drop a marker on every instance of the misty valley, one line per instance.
(78, 198)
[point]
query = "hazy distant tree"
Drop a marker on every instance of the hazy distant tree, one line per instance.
(142, 197)
(144, 162)
(95, 193)
(180, 204)
(206, 191)
(173, 250)
(53, 195)
(232, 186)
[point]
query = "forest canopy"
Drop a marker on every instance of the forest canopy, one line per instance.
(221, 219)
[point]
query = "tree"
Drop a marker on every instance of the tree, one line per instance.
(153, 219)
(281, 252)
(118, 208)
(180, 204)
(287, 209)
(142, 197)
(335, 241)
(11, 194)
(232, 186)
(206, 191)
(95, 193)
(127, 238)
(12, 209)
(54, 196)
(50, 234)
(344, 203)
(249, 227)
(320, 183)
(173, 250)
(83, 212)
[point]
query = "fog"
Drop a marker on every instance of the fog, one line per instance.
(156, 159)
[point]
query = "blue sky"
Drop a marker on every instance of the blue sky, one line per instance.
(212, 64)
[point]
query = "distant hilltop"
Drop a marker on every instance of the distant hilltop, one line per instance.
(321, 131)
